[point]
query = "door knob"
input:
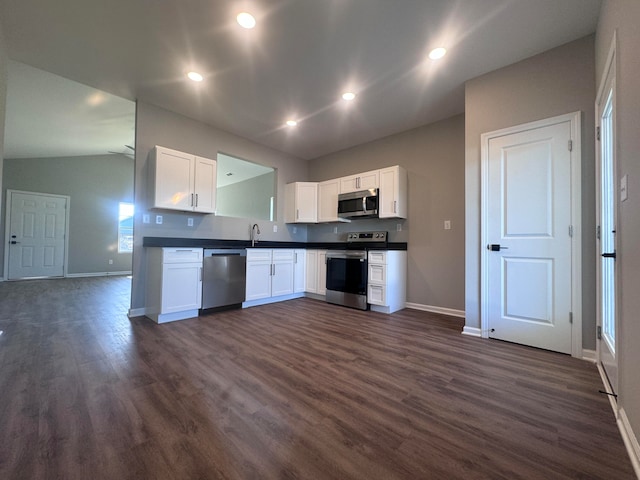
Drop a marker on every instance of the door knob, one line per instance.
(609, 255)
(495, 247)
(13, 242)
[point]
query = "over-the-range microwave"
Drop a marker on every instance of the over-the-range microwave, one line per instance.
(360, 204)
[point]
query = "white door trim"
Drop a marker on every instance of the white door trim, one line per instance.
(576, 209)
(7, 230)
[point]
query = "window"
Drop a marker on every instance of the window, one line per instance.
(125, 228)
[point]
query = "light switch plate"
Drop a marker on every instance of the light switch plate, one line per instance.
(146, 218)
(447, 224)
(159, 219)
(623, 189)
(275, 229)
(189, 222)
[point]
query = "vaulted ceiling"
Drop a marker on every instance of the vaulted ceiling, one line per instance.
(297, 61)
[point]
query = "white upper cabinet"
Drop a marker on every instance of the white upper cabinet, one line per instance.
(361, 181)
(393, 193)
(301, 202)
(181, 181)
(328, 200)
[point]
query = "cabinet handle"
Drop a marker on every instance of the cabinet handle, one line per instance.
(394, 207)
(196, 199)
(358, 182)
(297, 214)
(192, 199)
(295, 257)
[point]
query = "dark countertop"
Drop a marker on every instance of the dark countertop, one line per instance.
(215, 243)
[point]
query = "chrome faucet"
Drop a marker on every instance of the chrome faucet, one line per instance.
(254, 230)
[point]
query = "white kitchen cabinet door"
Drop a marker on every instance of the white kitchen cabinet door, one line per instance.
(301, 205)
(181, 287)
(328, 200)
(282, 279)
(393, 193)
(172, 174)
(205, 181)
(311, 283)
(322, 272)
(299, 270)
(360, 181)
(258, 280)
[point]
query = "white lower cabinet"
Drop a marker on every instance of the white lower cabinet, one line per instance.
(316, 277)
(387, 280)
(299, 270)
(174, 283)
(270, 273)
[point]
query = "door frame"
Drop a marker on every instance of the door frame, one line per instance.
(574, 120)
(610, 66)
(7, 231)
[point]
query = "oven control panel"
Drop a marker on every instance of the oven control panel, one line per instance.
(367, 237)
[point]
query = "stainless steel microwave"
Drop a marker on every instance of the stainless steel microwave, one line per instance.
(360, 204)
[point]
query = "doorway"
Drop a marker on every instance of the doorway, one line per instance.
(37, 229)
(606, 174)
(531, 266)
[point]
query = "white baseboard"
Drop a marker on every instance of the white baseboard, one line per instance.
(630, 440)
(442, 310)
(589, 355)
(137, 312)
(97, 274)
(626, 431)
(472, 331)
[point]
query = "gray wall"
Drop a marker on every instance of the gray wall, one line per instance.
(250, 198)
(156, 126)
(434, 158)
(96, 185)
(553, 83)
(623, 16)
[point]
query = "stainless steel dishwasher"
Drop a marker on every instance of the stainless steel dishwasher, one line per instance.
(223, 277)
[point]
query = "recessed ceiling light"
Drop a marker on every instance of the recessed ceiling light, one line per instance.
(246, 20)
(195, 76)
(437, 53)
(348, 96)
(292, 123)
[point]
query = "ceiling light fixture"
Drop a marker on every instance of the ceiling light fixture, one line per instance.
(291, 123)
(246, 20)
(195, 76)
(437, 53)
(348, 96)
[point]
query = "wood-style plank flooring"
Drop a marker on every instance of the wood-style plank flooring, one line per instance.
(295, 390)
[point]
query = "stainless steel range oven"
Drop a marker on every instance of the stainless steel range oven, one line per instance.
(347, 270)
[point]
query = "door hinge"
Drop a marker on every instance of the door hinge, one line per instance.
(598, 232)
(571, 145)
(598, 133)
(571, 230)
(570, 317)
(599, 332)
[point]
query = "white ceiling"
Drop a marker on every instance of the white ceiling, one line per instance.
(298, 60)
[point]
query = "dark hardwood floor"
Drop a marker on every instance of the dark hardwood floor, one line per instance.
(299, 389)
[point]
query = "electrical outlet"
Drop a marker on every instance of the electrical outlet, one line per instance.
(399, 227)
(275, 229)
(189, 222)
(146, 218)
(447, 224)
(158, 219)
(335, 229)
(110, 261)
(295, 230)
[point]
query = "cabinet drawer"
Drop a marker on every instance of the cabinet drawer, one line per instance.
(258, 255)
(282, 255)
(377, 274)
(377, 294)
(379, 257)
(181, 255)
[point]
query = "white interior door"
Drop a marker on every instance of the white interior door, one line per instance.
(36, 235)
(528, 230)
(606, 174)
